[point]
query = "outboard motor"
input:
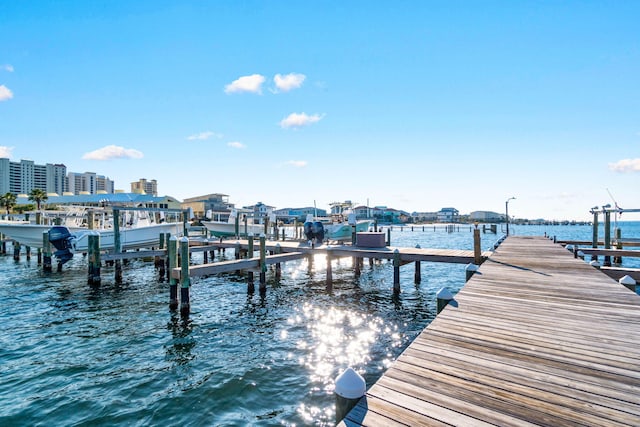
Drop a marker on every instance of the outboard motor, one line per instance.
(308, 230)
(62, 240)
(318, 231)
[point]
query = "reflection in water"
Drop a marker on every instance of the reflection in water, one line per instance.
(180, 350)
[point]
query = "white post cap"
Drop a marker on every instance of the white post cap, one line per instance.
(444, 294)
(594, 263)
(471, 267)
(350, 384)
(627, 280)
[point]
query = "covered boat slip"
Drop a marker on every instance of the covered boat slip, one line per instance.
(535, 337)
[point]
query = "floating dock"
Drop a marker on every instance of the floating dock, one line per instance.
(535, 337)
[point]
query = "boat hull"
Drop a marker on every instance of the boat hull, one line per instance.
(29, 234)
(343, 231)
(130, 238)
(225, 229)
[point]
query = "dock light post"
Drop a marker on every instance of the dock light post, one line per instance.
(506, 212)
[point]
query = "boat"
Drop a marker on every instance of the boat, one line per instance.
(336, 228)
(137, 231)
(245, 226)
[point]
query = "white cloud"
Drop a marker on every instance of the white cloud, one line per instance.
(7, 67)
(236, 144)
(295, 120)
(625, 165)
(296, 163)
(5, 93)
(285, 83)
(5, 152)
(252, 83)
(203, 136)
(113, 152)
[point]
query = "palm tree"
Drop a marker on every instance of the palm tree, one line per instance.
(9, 200)
(37, 195)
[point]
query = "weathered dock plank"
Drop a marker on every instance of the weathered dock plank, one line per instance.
(234, 265)
(535, 337)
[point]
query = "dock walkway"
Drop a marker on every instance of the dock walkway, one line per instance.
(535, 337)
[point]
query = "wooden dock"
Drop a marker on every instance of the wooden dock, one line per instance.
(535, 337)
(296, 250)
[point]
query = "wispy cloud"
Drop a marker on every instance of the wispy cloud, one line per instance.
(203, 136)
(296, 163)
(236, 144)
(5, 152)
(625, 165)
(296, 120)
(113, 152)
(287, 82)
(7, 67)
(5, 93)
(252, 84)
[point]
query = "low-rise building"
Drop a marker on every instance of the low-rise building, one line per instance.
(448, 215)
(209, 205)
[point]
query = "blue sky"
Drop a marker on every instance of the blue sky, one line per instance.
(415, 105)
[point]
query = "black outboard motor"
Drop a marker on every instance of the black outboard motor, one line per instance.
(318, 231)
(308, 232)
(61, 239)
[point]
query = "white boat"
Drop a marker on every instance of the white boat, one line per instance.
(246, 226)
(336, 229)
(136, 232)
(28, 234)
(342, 231)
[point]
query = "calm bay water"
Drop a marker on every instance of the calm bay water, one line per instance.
(115, 355)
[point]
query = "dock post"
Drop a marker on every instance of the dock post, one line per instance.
(417, 277)
(16, 251)
(349, 388)
(443, 297)
(278, 265)
(263, 263)
(117, 247)
(329, 272)
(46, 252)
(28, 251)
(617, 260)
(356, 266)
(172, 260)
(628, 282)
(470, 270)
(157, 261)
(167, 237)
(477, 251)
(389, 236)
(94, 259)
(3, 247)
(185, 305)
(594, 242)
(249, 254)
(396, 271)
(607, 237)
(39, 255)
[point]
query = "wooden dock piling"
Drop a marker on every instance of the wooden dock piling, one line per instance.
(93, 276)
(46, 252)
(16, 251)
(185, 304)
(263, 264)
(396, 271)
(172, 260)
